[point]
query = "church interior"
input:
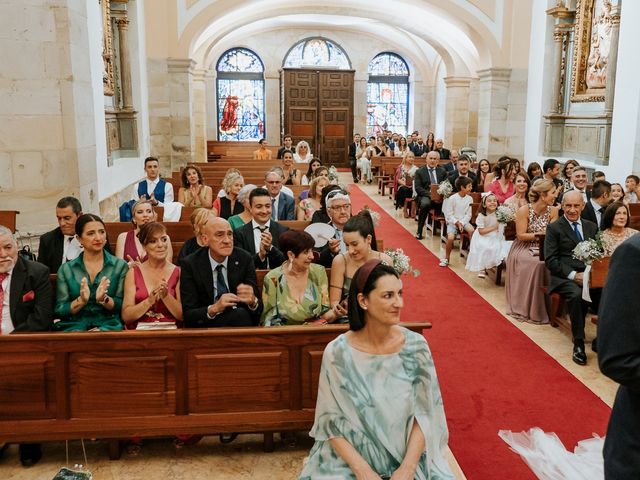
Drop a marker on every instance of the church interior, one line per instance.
(92, 88)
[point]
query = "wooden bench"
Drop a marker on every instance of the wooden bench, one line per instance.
(113, 385)
(8, 219)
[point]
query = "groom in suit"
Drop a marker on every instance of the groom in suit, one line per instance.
(218, 285)
(567, 273)
(260, 236)
(619, 358)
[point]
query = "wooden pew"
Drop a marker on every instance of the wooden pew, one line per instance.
(115, 385)
(8, 219)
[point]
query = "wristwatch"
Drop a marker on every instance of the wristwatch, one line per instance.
(105, 300)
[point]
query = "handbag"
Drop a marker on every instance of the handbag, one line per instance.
(78, 472)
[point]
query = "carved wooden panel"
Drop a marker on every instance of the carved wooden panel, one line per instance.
(228, 381)
(311, 362)
(124, 383)
(27, 386)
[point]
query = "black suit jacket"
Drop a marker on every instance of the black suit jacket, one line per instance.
(243, 238)
(453, 176)
(196, 285)
(588, 213)
(559, 242)
(51, 249)
(422, 181)
(449, 167)
(352, 149)
(34, 315)
(444, 154)
(418, 149)
(619, 359)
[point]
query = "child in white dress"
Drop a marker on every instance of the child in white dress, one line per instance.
(488, 247)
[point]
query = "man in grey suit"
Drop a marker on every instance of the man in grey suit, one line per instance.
(619, 358)
(283, 207)
(567, 273)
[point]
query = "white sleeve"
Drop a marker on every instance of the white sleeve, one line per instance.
(447, 209)
(134, 193)
(480, 221)
(168, 192)
(466, 218)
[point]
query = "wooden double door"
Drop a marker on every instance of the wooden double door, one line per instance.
(317, 106)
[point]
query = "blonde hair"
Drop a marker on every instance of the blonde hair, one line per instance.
(230, 179)
(313, 187)
(136, 205)
(540, 186)
(199, 218)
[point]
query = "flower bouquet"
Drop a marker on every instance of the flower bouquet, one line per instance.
(333, 174)
(589, 250)
(505, 214)
(401, 262)
(445, 189)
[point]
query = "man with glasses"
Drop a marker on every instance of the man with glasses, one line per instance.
(283, 206)
(338, 205)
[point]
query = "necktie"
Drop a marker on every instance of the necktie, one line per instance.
(221, 286)
(274, 215)
(2, 277)
(577, 231)
(601, 210)
(432, 174)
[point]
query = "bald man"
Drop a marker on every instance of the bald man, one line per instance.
(567, 273)
(218, 284)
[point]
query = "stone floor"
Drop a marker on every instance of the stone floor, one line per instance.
(244, 458)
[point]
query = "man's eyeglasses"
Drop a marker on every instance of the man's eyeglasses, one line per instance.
(337, 208)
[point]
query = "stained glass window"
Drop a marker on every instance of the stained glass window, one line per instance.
(240, 94)
(317, 52)
(387, 94)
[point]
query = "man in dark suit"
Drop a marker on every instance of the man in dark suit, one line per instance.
(419, 148)
(218, 285)
(619, 358)
(452, 165)
(353, 147)
(567, 273)
(598, 202)
(287, 144)
(425, 176)
(259, 237)
(283, 205)
(26, 305)
(444, 153)
(464, 164)
(60, 244)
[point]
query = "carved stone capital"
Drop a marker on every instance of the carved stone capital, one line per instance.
(122, 23)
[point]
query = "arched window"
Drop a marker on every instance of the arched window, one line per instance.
(317, 52)
(240, 96)
(387, 94)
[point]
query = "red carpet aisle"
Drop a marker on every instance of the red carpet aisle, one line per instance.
(492, 376)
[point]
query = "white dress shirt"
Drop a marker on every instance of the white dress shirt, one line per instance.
(151, 186)
(7, 324)
(257, 234)
(596, 208)
(71, 248)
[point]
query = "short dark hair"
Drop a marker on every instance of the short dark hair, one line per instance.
(464, 158)
(363, 224)
(261, 141)
(597, 174)
(356, 313)
(288, 135)
(462, 182)
(549, 164)
(295, 241)
(258, 192)
(84, 219)
(599, 188)
(148, 230)
(533, 166)
(634, 177)
(610, 213)
(72, 202)
(151, 159)
(183, 175)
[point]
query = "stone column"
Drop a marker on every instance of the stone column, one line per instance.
(360, 81)
(613, 60)
(556, 105)
(457, 112)
(493, 104)
(563, 24)
(182, 138)
(125, 63)
(211, 111)
(272, 106)
(199, 116)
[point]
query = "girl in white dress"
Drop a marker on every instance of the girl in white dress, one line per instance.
(488, 247)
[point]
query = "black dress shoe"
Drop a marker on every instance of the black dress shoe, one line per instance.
(419, 236)
(594, 345)
(579, 355)
(30, 454)
(228, 437)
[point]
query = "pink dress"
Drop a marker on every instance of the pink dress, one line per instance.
(496, 189)
(159, 312)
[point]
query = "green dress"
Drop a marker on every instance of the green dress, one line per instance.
(92, 315)
(281, 309)
(372, 401)
(236, 222)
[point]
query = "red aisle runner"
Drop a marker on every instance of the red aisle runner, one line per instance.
(491, 374)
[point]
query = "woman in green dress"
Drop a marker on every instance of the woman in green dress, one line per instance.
(237, 221)
(379, 412)
(90, 288)
(297, 292)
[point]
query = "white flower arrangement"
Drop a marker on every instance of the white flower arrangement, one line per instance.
(505, 214)
(445, 189)
(333, 174)
(589, 250)
(401, 262)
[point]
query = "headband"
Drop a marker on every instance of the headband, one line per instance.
(336, 195)
(364, 271)
(486, 195)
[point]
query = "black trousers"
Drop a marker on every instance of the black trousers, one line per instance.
(231, 317)
(424, 204)
(402, 194)
(571, 292)
(354, 170)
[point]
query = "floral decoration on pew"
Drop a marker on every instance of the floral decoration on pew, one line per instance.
(333, 174)
(401, 262)
(589, 250)
(505, 214)
(445, 189)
